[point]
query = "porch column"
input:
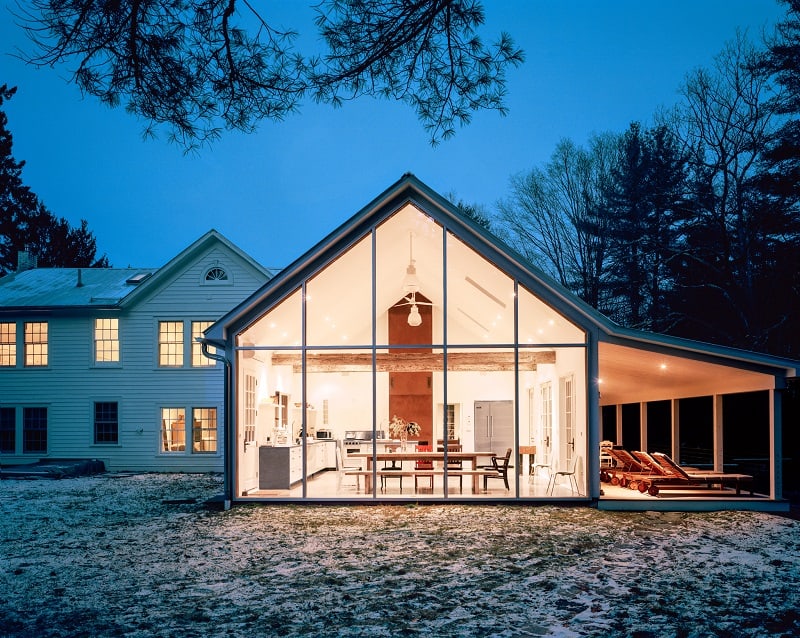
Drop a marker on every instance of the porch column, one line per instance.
(775, 444)
(676, 429)
(718, 437)
(619, 440)
(643, 426)
(593, 417)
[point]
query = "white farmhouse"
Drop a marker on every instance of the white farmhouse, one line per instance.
(105, 363)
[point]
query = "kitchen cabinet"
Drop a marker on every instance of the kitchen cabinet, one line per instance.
(280, 467)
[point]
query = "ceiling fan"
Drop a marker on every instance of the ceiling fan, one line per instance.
(411, 288)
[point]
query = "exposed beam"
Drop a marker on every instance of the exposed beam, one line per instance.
(479, 361)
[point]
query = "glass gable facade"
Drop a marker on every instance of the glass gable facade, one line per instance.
(410, 325)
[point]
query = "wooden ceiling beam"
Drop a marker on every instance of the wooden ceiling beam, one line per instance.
(478, 361)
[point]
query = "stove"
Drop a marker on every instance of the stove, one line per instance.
(360, 441)
(352, 437)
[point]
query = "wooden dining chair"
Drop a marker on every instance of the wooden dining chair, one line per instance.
(423, 464)
(501, 466)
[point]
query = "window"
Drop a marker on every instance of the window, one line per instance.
(249, 408)
(216, 274)
(106, 422)
(34, 430)
(204, 430)
(451, 421)
(36, 343)
(8, 344)
(173, 429)
(8, 430)
(106, 340)
(170, 343)
(547, 421)
(199, 360)
(567, 416)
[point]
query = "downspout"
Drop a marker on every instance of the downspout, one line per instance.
(229, 447)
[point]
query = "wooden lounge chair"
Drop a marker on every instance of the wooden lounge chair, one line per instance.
(667, 474)
(627, 470)
(708, 478)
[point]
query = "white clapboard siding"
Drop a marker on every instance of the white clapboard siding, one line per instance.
(72, 382)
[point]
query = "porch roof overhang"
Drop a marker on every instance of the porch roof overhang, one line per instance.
(637, 367)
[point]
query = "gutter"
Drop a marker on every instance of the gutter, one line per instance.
(229, 448)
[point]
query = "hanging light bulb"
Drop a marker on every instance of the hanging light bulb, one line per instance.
(414, 318)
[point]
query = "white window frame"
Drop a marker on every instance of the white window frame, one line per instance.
(169, 443)
(171, 352)
(106, 341)
(203, 434)
(37, 344)
(199, 360)
(8, 344)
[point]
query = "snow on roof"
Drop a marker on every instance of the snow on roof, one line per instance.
(69, 287)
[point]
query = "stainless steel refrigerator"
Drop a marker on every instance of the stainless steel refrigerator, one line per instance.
(494, 426)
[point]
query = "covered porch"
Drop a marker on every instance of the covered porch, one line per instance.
(715, 412)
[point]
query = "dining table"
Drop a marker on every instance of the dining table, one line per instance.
(414, 455)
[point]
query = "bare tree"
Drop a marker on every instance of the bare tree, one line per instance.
(727, 121)
(554, 220)
(201, 66)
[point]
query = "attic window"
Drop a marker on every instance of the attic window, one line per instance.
(216, 274)
(137, 278)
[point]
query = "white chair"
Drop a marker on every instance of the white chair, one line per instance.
(570, 473)
(341, 468)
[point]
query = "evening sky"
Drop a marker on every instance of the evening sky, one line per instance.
(590, 67)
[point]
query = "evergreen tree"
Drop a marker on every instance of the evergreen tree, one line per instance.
(644, 200)
(25, 223)
(781, 175)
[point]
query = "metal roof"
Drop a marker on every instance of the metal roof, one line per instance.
(49, 288)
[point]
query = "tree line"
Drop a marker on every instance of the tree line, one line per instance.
(689, 226)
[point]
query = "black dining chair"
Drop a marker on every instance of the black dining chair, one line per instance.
(453, 464)
(391, 465)
(501, 466)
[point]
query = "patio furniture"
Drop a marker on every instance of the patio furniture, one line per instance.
(709, 478)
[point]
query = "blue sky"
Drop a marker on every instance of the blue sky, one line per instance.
(590, 67)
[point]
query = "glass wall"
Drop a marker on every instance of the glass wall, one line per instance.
(410, 366)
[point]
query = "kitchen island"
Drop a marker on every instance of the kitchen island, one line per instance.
(281, 466)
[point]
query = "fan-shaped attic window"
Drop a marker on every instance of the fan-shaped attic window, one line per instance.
(216, 275)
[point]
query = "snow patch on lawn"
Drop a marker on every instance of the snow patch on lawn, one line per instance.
(134, 556)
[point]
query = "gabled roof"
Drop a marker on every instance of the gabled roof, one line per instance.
(64, 288)
(409, 189)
